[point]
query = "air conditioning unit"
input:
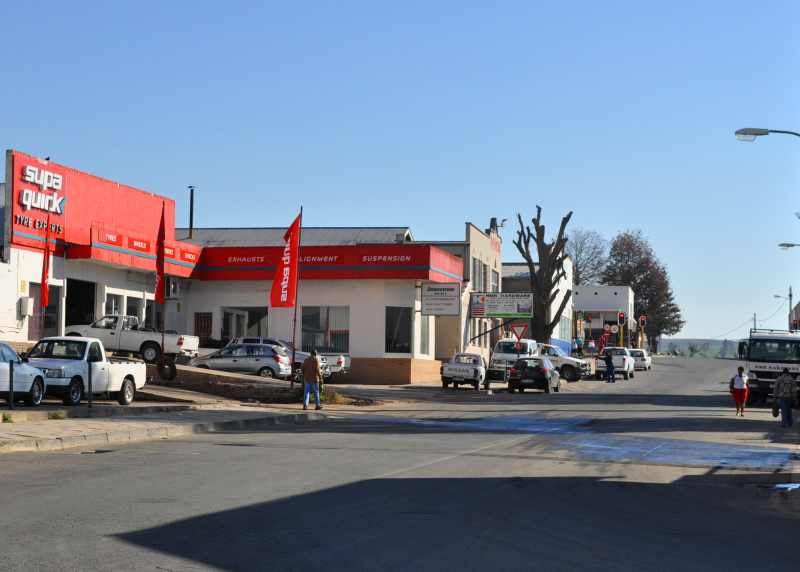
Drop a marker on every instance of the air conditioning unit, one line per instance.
(25, 307)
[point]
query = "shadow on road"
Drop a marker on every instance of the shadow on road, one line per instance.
(553, 523)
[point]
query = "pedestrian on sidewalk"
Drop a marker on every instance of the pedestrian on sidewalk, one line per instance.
(610, 373)
(312, 377)
(784, 392)
(739, 388)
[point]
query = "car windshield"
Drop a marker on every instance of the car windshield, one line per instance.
(775, 350)
(528, 363)
(467, 359)
(58, 349)
(616, 352)
(637, 353)
(509, 348)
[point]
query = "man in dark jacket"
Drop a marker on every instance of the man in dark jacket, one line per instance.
(610, 373)
(312, 377)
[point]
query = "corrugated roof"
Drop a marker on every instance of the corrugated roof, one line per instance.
(312, 236)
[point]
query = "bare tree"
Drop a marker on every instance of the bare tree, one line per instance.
(589, 253)
(545, 273)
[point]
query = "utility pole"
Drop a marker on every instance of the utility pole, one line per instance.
(754, 321)
(791, 308)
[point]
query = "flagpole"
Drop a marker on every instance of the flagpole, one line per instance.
(296, 291)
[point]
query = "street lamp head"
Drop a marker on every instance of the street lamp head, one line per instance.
(750, 133)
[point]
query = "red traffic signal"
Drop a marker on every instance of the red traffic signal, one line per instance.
(643, 320)
(621, 318)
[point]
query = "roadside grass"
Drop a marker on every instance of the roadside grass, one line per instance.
(8, 418)
(57, 415)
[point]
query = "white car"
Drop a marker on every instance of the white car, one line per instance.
(126, 334)
(29, 382)
(464, 368)
(641, 360)
(623, 362)
(67, 362)
(505, 354)
(568, 367)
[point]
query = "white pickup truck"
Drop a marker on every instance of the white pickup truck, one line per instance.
(464, 369)
(624, 363)
(126, 334)
(67, 362)
(570, 368)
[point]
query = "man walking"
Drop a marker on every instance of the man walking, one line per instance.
(785, 391)
(610, 373)
(312, 377)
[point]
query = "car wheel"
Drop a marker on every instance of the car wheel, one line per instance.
(486, 385)
(569, 373)
(633, 374)
(36, 394)
(74, 392)
(266, 372)
(521, 389)
(625, 375)
(477, 386)
(599, 376)
(454, 384)
(548, 388)
(444, 384)
(127, 392)
(557, 388)
(150, 352)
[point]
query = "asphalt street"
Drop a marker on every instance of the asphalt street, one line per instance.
(651, 474)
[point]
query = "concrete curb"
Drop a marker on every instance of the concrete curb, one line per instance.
(101, 411)
(104, 439)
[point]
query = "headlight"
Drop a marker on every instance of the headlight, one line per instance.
(54, 372)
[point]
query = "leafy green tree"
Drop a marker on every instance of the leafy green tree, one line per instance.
(632, 262)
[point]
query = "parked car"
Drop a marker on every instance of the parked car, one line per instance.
(67, 362)
(29, 382)
(125, 334)
(534, 373)
(464, 368)
(569, 368)
(299, 356)
(261, 359)
(505, 354)
(641, 360)
(623, 362)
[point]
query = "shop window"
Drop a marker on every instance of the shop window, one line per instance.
(477, 275)
(325, 328)
(425, 335)
(44, 322)
(398, 330)
(134, 307)
(495, 281)
(233, 323)
(150, 315)
(113, 305)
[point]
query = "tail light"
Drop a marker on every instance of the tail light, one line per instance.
(180, 341)
(545, 371)
(340, 361)
(513, 371)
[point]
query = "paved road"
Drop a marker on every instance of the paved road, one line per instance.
(458, 481)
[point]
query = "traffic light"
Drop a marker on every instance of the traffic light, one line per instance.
(621, 318)
(643, 320)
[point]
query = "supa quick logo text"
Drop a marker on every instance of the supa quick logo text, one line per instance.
(31, 199)
(45, 179)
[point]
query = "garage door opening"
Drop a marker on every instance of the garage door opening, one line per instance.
(80, 302)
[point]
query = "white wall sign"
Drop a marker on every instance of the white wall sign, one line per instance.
(441, 299)
(501, 305)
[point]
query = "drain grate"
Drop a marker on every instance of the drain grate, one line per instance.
(97, 452)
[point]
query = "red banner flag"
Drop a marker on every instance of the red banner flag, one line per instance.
(160, 259)
(284, 285)
(44, 295)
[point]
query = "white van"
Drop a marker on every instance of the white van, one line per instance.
(506, 352)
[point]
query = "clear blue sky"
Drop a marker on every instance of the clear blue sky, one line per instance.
(428, 114)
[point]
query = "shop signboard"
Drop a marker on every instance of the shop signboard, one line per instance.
(501, 305)
(441, 299)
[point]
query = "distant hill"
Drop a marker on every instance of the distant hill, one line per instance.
(699, 347)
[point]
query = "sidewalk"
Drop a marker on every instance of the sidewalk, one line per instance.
(54, 435)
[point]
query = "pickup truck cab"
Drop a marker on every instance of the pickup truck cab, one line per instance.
(29, 382)
(126, 334)
(464, 368)
(505, 355)
(623, 362)
(641, 360)
(569, 368)
(67, 362)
